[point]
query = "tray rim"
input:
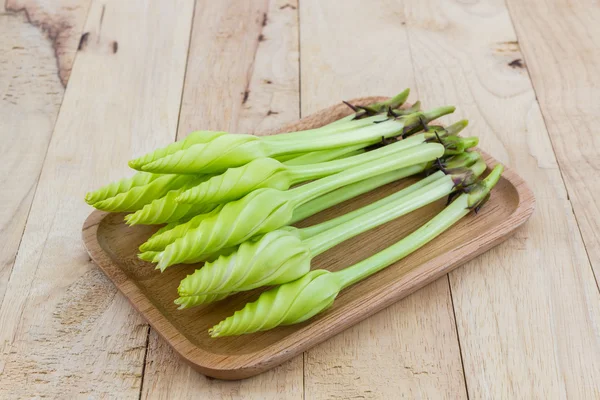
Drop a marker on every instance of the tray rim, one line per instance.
(245, 365)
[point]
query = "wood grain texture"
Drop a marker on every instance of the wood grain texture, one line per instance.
(559, 40)
(65, 330)
(235, 76)
(60, 22)
(528, 311)
(242, 75)
(30, 96)
(114, 247)
(352, 48)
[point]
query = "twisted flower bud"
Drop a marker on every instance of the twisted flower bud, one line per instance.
(235, 183)
(190, 140)
(266, 172)
(138, 196)
(120, 186)
(288, 304)
(150, 256)
(225, 151)
(261, 211)
(187, 302)
(166, 209)
(173, 231)
(277, 257)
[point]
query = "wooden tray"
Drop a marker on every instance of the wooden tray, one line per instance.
(113, 246)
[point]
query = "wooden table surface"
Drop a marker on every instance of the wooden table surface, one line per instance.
(87, 84)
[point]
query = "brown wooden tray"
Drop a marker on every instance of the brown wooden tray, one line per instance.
(113, 246)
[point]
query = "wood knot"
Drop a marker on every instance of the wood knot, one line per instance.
(516, 63)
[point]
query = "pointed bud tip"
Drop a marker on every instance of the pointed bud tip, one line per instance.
(89, 197)
(470, 141)
(435, 113)
(135, 164)
(130, 219)
(399, 99)
(458, 126)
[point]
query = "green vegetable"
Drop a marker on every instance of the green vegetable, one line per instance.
(168, 234)
(264, 210)
(149, 256)
(373, 109)
(190, 140)
(166, 209)
(269, 173)
(285, 254)
(120, 186)
(133, 193)
(205, 299)
(204, 137)
(299, 300)
(201, 137)
(362, 112)
(323, 155)
(353, 190)
(138, 194)
(227, 151)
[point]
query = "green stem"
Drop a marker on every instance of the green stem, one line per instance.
(393, 102)
(289, 157)
(463, 169)
(411, 156)
(416, 107)
(460, 207)
(343, 120)
(369, 134)
(450, 215)
(420, 198)
(309, 232)
(327, 129)
(351, 191)
(309, 172)
(325, 155)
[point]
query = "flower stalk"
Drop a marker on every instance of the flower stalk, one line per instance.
(270, 173)
(265, 210)
(229, 151)
(285, 254)
(303, 298)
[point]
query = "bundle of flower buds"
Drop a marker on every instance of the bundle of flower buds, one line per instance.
(229, 200)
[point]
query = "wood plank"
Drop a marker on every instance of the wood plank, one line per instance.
(65, 331)
(59, 22)
(351, 49)
(237, 82)
(32, 62)
(560, 45)
(528, 310)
